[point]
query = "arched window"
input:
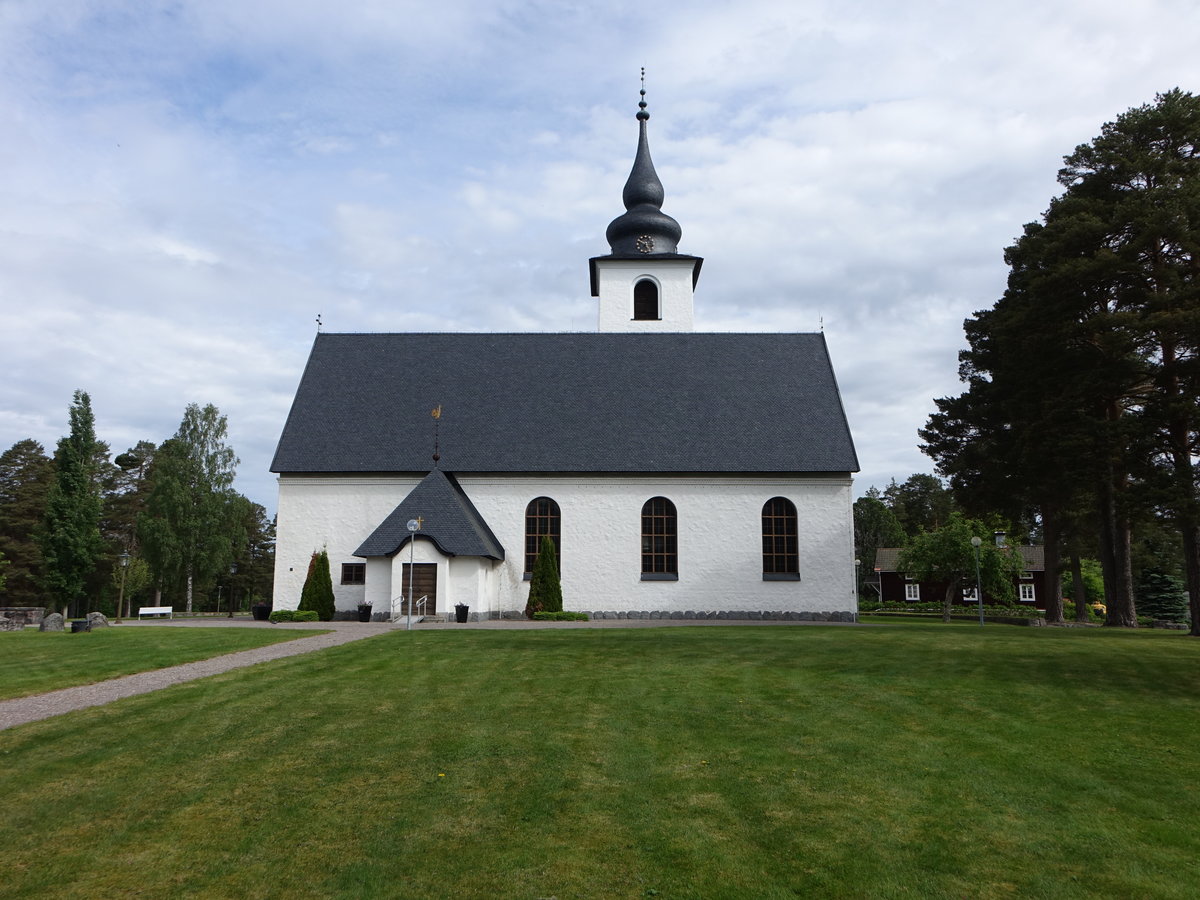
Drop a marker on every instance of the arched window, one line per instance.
(660, 559)
(645, 300)
(541, 518)
(781, 552)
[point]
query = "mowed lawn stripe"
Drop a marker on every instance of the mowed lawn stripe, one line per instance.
(35, 662)
(764, 762)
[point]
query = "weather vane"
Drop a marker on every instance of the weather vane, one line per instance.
(318, 323)
(437, 418)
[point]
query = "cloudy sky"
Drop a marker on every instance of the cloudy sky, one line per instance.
(186, 184)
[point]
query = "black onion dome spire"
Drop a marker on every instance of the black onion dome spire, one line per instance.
(644, 228)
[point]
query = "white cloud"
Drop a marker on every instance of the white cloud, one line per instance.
(184, 186)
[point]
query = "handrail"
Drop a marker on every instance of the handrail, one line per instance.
(417, 604)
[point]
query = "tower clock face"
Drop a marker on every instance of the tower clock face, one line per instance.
(645, 243)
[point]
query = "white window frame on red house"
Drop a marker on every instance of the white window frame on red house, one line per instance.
(912, 591)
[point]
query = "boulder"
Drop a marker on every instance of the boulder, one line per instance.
(52, 622)
(97, 620)
(7, 624)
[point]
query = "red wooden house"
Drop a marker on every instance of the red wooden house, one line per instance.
(894, 587)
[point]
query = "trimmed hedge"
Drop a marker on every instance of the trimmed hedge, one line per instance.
(989, 609)
(560, 616)
(294, 615)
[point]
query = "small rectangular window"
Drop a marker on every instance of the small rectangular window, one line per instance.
(354, 573)
(970, 595)
(912, 592)
(1027, 593)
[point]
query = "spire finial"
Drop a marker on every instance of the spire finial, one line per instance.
(644, 228)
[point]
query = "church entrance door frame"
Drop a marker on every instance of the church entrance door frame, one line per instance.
(424, 585)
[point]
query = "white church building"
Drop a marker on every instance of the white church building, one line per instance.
(680, 474)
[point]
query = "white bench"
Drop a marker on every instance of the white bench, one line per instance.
(168, 611)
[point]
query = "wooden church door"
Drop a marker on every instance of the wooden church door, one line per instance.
(423, 585)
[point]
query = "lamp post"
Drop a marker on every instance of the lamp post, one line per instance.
(857, 564)
(414, 525)
(232, 572)
(124, 558)
(975, 542)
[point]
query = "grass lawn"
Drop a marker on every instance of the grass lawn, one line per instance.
(758, 762)
(32, 662)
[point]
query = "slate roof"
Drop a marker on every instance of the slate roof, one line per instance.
(584, 402)
(1034, 555)
(449, 519)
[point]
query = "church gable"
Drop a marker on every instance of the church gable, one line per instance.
(447, 517)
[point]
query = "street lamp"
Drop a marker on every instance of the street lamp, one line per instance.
(232, 572)
(414, 525)
(857, 564)
(124, 558)
(975, 542)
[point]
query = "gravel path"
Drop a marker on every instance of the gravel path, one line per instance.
(55, 703)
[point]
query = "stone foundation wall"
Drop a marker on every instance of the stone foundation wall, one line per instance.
(732, 614)
(740, 615)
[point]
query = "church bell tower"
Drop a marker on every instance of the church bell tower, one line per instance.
(645, 283)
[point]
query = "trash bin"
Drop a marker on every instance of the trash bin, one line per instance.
(460, 612)
(364, 612)
(84, 625)
(261, 612)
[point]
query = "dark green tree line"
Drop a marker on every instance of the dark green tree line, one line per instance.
(1081, 397)
(179, 497)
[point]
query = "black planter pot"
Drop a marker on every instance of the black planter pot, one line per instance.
(80, 625)
(460, 612)
(364, 613)
(261, 612)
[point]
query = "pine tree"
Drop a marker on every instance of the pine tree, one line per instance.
(70, 538)
(545, 589)
(25, 476)
(317, 594)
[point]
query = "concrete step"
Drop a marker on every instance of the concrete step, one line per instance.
(433, 618)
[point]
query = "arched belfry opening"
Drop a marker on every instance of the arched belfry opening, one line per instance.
(645, 300)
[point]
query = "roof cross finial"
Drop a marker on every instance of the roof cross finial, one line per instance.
(642, 114)
(318, 323)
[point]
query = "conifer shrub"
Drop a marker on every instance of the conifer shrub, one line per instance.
(317, 595)
(1161, 596)
(545, 590)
